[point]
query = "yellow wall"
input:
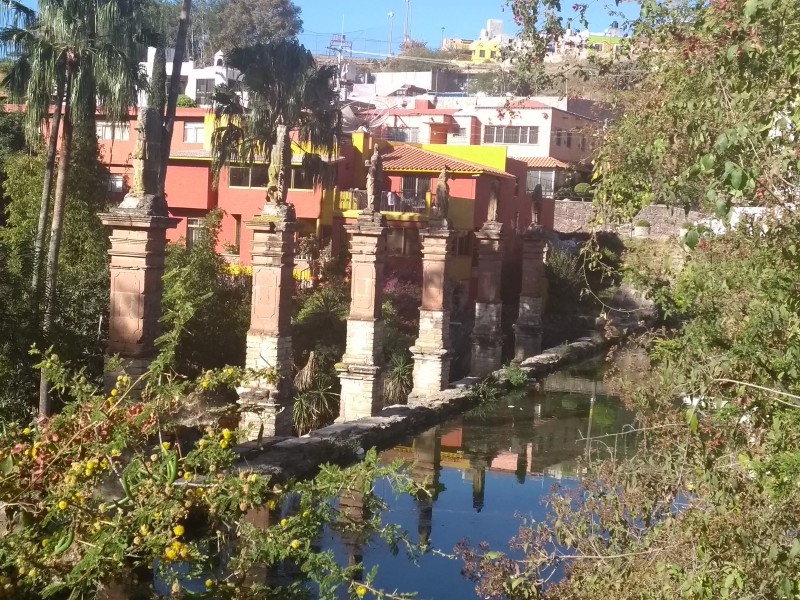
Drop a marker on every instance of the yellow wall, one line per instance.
(489, 156)
(488, 47)
(461, 213)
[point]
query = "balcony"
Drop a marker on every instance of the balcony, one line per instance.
(408, 208)
(458, 139)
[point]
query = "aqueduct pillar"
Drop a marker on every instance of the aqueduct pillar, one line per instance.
(528, 328)
(487, 335)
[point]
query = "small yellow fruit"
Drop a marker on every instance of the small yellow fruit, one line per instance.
(361, 591)
(178, 530)
(284, 522)
(306, 514)
(62, 505)
(114, 392)
(209, 583)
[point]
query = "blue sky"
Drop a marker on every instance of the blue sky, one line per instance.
(367, 24)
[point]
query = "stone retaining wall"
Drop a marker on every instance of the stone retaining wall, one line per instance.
(342, 443)
(571, 216)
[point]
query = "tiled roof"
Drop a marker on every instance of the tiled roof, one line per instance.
(411, 158)
(542, 162)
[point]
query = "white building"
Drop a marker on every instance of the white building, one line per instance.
(197, 83)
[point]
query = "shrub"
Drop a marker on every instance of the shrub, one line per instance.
(583, 189)
(185, 102)
(399, 379)
(642, 223)
(565, 276)
(515, 376)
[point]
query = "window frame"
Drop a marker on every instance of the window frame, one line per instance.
(108, 131)
(112, 180)
(195, 127)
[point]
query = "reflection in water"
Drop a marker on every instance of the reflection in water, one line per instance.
(484, 468)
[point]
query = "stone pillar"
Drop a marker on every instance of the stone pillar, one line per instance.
(138, 246)
(361, 369)
(267, 406)
(425, 472)
(431, 351)
(487, 336)
(528, 328)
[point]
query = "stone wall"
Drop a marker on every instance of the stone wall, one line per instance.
(571, 216)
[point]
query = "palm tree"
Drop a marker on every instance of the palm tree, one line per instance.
(285, 92)
(85, 48)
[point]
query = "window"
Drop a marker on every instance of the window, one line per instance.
(204, 89)
(237, 232)
(493, 54)
(110, 131)
(597, 47)
(546, 179)
(510, 135)
(558, 134)
(193, 133)
(301, 180)
(583, 142)
(248, 177)
(568, 140)
(194, 232)
(416, 188)
(402, 134)
(115, 183)
(403, 241)
(482, 53)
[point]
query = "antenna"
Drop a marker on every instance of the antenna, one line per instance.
(391, 30)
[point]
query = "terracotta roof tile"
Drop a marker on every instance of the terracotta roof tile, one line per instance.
(411, 158)
(542, 162)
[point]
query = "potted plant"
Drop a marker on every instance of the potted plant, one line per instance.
(641, 228)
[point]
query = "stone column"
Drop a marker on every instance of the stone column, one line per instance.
(267, 406)
(138, 246)
(528, 328)
(487, 337)
(361, 369)
(431, 351)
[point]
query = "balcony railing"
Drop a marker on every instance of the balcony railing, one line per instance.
(357, 200)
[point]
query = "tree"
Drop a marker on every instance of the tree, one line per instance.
(245, 23)
(286, 92)
(88, 50)
(416, 56)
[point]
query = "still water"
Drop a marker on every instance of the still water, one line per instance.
(485, 469)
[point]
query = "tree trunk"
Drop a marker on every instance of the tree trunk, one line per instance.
(44, 209)
(56, 229)
(174, 89)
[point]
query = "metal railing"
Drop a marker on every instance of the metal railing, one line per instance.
(357, 200)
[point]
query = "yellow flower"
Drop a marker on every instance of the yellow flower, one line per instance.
(306, 514)
(205, 384)
(144, 530)
(45, 541)
(114, 392)
(184, 551)
(271, 505)
(226, 433)
(171, 554)
(223, 443)
(178, 530)
(295, 544)
(165, 445)
(154, 457)
(27, 431)
(361, 591)
(284, 522)
(62, 505)
(187, 476)
(209, 583)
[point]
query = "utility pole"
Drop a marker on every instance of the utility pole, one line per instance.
(391, 30)
(442, 46)
(405, 31)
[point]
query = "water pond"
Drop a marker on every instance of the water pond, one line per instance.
(487, 468)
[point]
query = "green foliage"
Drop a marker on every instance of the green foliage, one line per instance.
(215, 335)
(78, 328)
(316, 401)
(399, 379)
(642, 223)
(185, 102)
(104, 491)
(565, 280)
(583, 189)
(515, 376)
